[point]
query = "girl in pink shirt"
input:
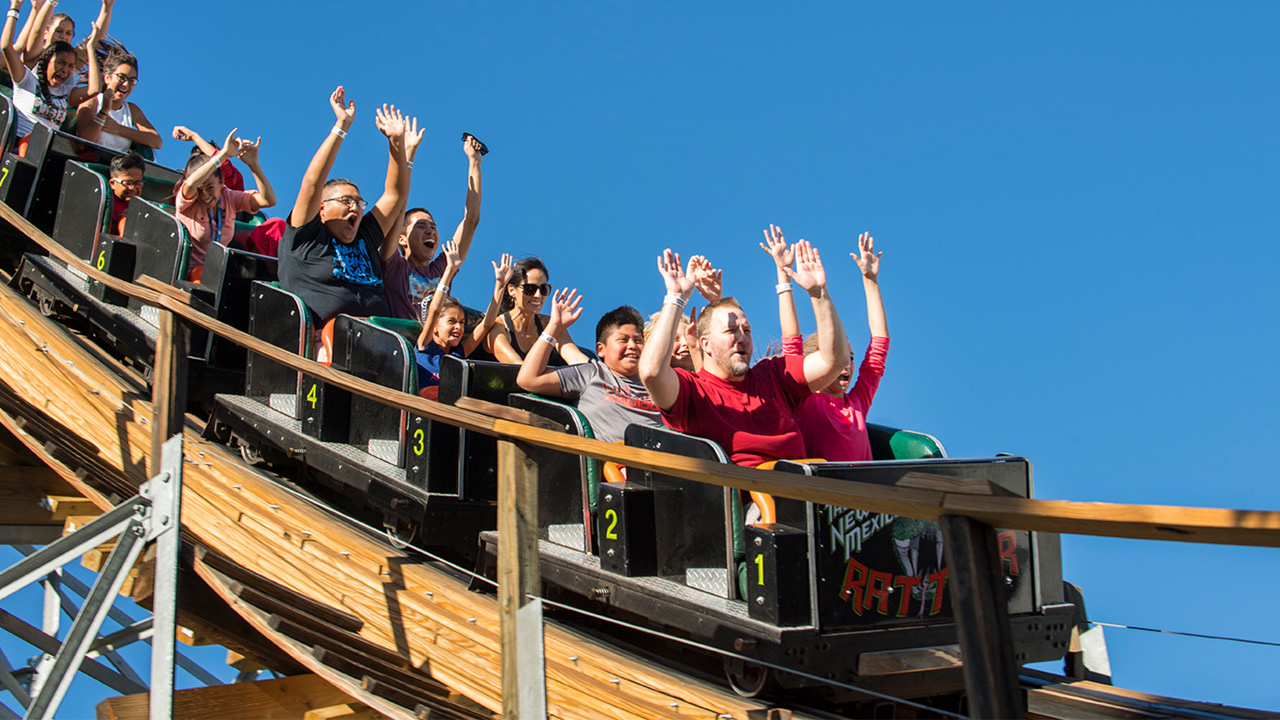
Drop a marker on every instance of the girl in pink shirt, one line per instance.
(833, 421)
(208, 209)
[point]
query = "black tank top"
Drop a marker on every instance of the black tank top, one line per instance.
(538, 323)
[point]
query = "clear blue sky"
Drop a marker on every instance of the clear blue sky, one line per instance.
(1075, 203)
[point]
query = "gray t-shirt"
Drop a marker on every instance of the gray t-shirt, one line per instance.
(610, 402)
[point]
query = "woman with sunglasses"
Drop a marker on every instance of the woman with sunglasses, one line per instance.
(110, 119)
(521, 324)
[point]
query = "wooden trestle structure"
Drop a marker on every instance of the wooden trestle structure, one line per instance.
(295, 588)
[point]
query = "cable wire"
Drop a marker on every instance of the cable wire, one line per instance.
(1267, 643)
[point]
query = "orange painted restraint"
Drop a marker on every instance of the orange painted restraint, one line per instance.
(613, 472)
(764, 501)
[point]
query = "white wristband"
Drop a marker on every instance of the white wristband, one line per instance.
(783, 287)
(12, 13)
(546, 338)
(443, 288)
(673, 300)
(338, 131)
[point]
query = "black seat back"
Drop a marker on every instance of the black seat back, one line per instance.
(283, 320)
(84, 210)
(564, 516)
(477, 455)
(380, 356)
(695, 543)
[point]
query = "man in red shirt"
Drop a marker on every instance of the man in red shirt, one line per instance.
(748, 410)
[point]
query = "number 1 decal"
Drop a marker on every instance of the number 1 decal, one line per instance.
(760, 567)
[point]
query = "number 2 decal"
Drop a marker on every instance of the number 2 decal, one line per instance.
(612, 516)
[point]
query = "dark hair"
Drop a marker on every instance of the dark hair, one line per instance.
(195, 161)
(449, 303)
(411, 211)
(59, 17)
(120, 57)
(338, 181)
(42, 66)
(519, 274)
(616, 318)
(128, 161)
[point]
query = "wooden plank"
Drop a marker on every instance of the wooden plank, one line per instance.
(296, 605)
(1141, 522)
(64, 506)
(518, 574)
(980, 604)
(280, 699)
(506, 412)
(168, 385)
(346, 711)
(949, 484)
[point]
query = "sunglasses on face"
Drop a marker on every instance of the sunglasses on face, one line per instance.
(131, 184)
(531, 289)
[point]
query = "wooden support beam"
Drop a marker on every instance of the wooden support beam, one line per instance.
(979, 601)
(280, 699)
(523, 682)
(168, 385)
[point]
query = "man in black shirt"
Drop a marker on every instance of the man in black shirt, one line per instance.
(329, 253)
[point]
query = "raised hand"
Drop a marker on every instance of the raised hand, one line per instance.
(95, 35)
(452, 257)
(412, 136)
(345, 111)
(867, 258)
(390, 122)
(809, 272)
(502, 270)
(776, 245)
(708, 280)
(673, 275)
(471, 147)
(564, 308)
(180, 132)
(248, 151)
(231, 146)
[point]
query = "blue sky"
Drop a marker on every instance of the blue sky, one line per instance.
(1075, 202)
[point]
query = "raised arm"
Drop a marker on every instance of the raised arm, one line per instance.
(471, 213)
(263, 196)
(90, 46)
(821, 367)
(308, 203)
(534, 375)
(184, 133)
(869, 263)
(706, 279)
(776, 245)
(453, 265)
(501, 276)
(12, 58)
(37, 29)
(27, 29)
(80, 95)
(412, 139)
(389, 209)
(230, 148)
(656, 373)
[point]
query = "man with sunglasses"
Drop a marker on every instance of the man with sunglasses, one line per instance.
(126, 184)
(329, 252)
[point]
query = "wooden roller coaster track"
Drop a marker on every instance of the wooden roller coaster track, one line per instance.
(312, 593)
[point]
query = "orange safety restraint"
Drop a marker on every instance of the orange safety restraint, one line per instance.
(764, 501)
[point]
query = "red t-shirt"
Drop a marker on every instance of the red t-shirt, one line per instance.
(752, 419)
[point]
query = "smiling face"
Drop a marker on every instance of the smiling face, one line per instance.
(340, 211)
(680, 357)
(621, 350)
(528, 304)
(209, 191)
(121, 80)
(449, 328)
(61, 67)
(62, 30)
(420, 238)
(127, 184)
(727, 346)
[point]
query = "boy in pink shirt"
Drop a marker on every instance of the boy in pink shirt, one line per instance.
(208, 209)
(833, 421)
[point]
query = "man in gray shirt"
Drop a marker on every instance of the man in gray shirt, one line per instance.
(607, 391)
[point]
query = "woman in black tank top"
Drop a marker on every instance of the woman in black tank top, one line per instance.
(521, 324)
